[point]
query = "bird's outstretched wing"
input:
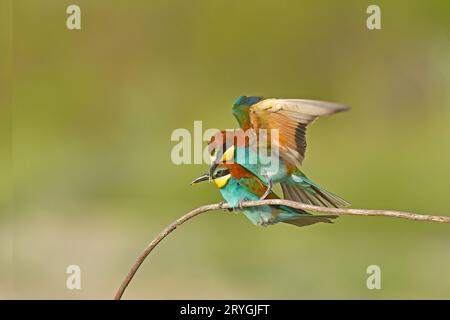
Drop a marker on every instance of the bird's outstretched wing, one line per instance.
(290, 117)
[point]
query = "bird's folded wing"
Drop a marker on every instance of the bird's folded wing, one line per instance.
(255, 186)
(290, 117)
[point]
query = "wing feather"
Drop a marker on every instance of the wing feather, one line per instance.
(290, 117)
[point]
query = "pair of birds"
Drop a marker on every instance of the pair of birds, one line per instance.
(242, 172)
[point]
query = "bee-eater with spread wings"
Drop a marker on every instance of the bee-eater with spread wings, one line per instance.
(290, 118)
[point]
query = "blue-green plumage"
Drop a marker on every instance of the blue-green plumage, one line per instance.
(234, 193)
(236, 185)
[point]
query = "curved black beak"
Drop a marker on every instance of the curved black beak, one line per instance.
(202, 178)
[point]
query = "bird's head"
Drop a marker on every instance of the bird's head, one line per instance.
(240, 109)
(244, 101)
(221, 177)
(221, 148)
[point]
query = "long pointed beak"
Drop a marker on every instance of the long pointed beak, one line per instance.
(202, 178)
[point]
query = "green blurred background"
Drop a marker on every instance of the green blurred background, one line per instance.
(89, 115)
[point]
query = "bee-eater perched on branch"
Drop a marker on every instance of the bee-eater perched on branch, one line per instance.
(237, 184)
(289, 117)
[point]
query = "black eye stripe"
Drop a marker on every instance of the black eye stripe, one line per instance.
(222, 173)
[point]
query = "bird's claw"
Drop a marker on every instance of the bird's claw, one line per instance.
(222, 205)
(239, 206)
(268, 190)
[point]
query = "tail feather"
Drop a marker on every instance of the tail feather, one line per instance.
(306, 220)
(297, 217)
(309, 193)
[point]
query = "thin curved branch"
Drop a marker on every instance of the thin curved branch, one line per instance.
(157, 240)
(288, 203)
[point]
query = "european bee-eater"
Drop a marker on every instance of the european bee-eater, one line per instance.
(237, 184)
(290, 117)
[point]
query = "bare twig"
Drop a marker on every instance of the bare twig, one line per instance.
(288, 203)
(157, 240)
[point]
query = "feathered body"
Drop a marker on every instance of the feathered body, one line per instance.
(237, 184)
(277, 161)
